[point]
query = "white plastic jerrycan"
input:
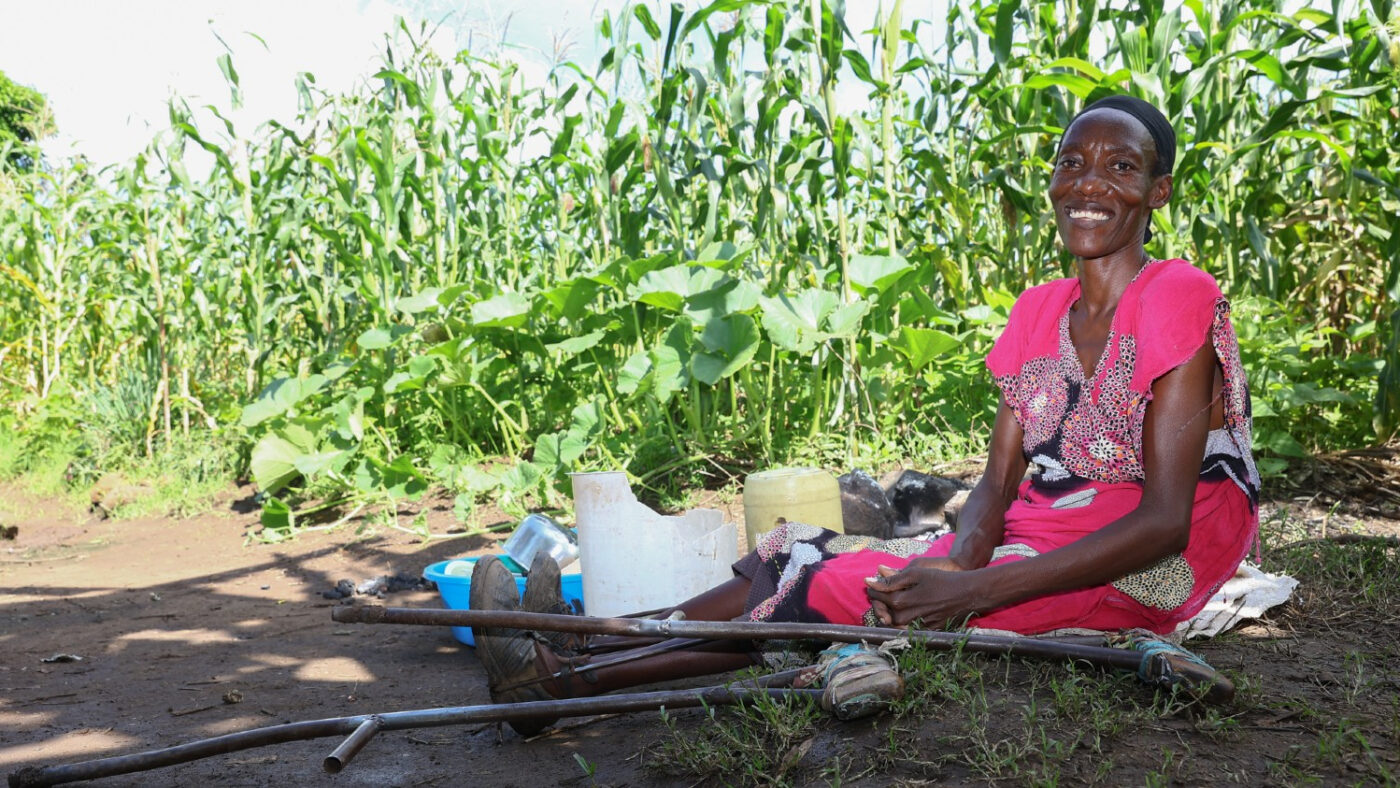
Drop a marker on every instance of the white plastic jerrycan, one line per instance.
(634, 559)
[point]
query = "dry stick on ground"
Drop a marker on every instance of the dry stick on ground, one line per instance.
(361, 727)
(1154, 660)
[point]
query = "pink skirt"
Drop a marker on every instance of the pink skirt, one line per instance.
(800, 573)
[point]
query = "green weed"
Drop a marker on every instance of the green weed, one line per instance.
(762, 743)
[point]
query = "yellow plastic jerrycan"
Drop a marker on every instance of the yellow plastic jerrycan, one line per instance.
(801, 495)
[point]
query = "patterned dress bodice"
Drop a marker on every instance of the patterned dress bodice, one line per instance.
(1079, 428)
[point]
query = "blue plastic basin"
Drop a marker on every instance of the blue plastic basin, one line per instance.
(456, 591)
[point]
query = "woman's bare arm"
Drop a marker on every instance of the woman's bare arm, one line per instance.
(1174, 436)
(981, 521)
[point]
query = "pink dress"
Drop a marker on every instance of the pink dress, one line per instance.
(1083, 437)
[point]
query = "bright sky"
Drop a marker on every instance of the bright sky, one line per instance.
(109, 67)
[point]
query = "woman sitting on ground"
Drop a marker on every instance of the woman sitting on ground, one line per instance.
(1122, 386)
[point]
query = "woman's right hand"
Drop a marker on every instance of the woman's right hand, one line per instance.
(927, 593)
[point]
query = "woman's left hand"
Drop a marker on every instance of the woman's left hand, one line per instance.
(921, 592)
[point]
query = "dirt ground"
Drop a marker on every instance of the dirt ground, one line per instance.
(187, 630)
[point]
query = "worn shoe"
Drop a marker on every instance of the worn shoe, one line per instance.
(492, 588)
(543, 594)
(507, 654)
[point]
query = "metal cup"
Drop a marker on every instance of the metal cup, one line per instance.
(539, 534)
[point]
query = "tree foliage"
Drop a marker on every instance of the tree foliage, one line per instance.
(24, 120)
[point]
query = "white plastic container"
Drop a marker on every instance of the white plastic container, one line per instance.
(634, 559)
(798, 495)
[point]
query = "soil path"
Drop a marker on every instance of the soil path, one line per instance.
(174, 618)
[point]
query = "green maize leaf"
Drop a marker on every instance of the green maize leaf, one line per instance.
(1074, 83)
(1361, 92)
(225, 62)
(1151, 86)
(1005, 27)
(619, 152)
(1082, 66)
(717, 7)
(923, 346)
(644, 16)
(1279, 119)
(1307, 134)
(861, 67)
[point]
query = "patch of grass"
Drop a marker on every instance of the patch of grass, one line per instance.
(184, 478)
(1164, 774)
(758, 744)
(1345, 747)
(1353, 583)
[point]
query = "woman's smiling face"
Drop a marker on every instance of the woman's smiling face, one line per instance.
(1102, 189)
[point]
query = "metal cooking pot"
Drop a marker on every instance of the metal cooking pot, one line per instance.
(539, 534)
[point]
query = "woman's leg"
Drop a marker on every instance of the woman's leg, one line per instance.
(632, 666)
(522, 665)
(621, 670)
(724, 602)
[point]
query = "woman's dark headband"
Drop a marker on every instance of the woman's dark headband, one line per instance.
(1157, 125)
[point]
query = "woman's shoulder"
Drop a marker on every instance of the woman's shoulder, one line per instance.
(1171, 317)
(1053, 294)
(1177, 278)
(1168, 294)
(1028, 333)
